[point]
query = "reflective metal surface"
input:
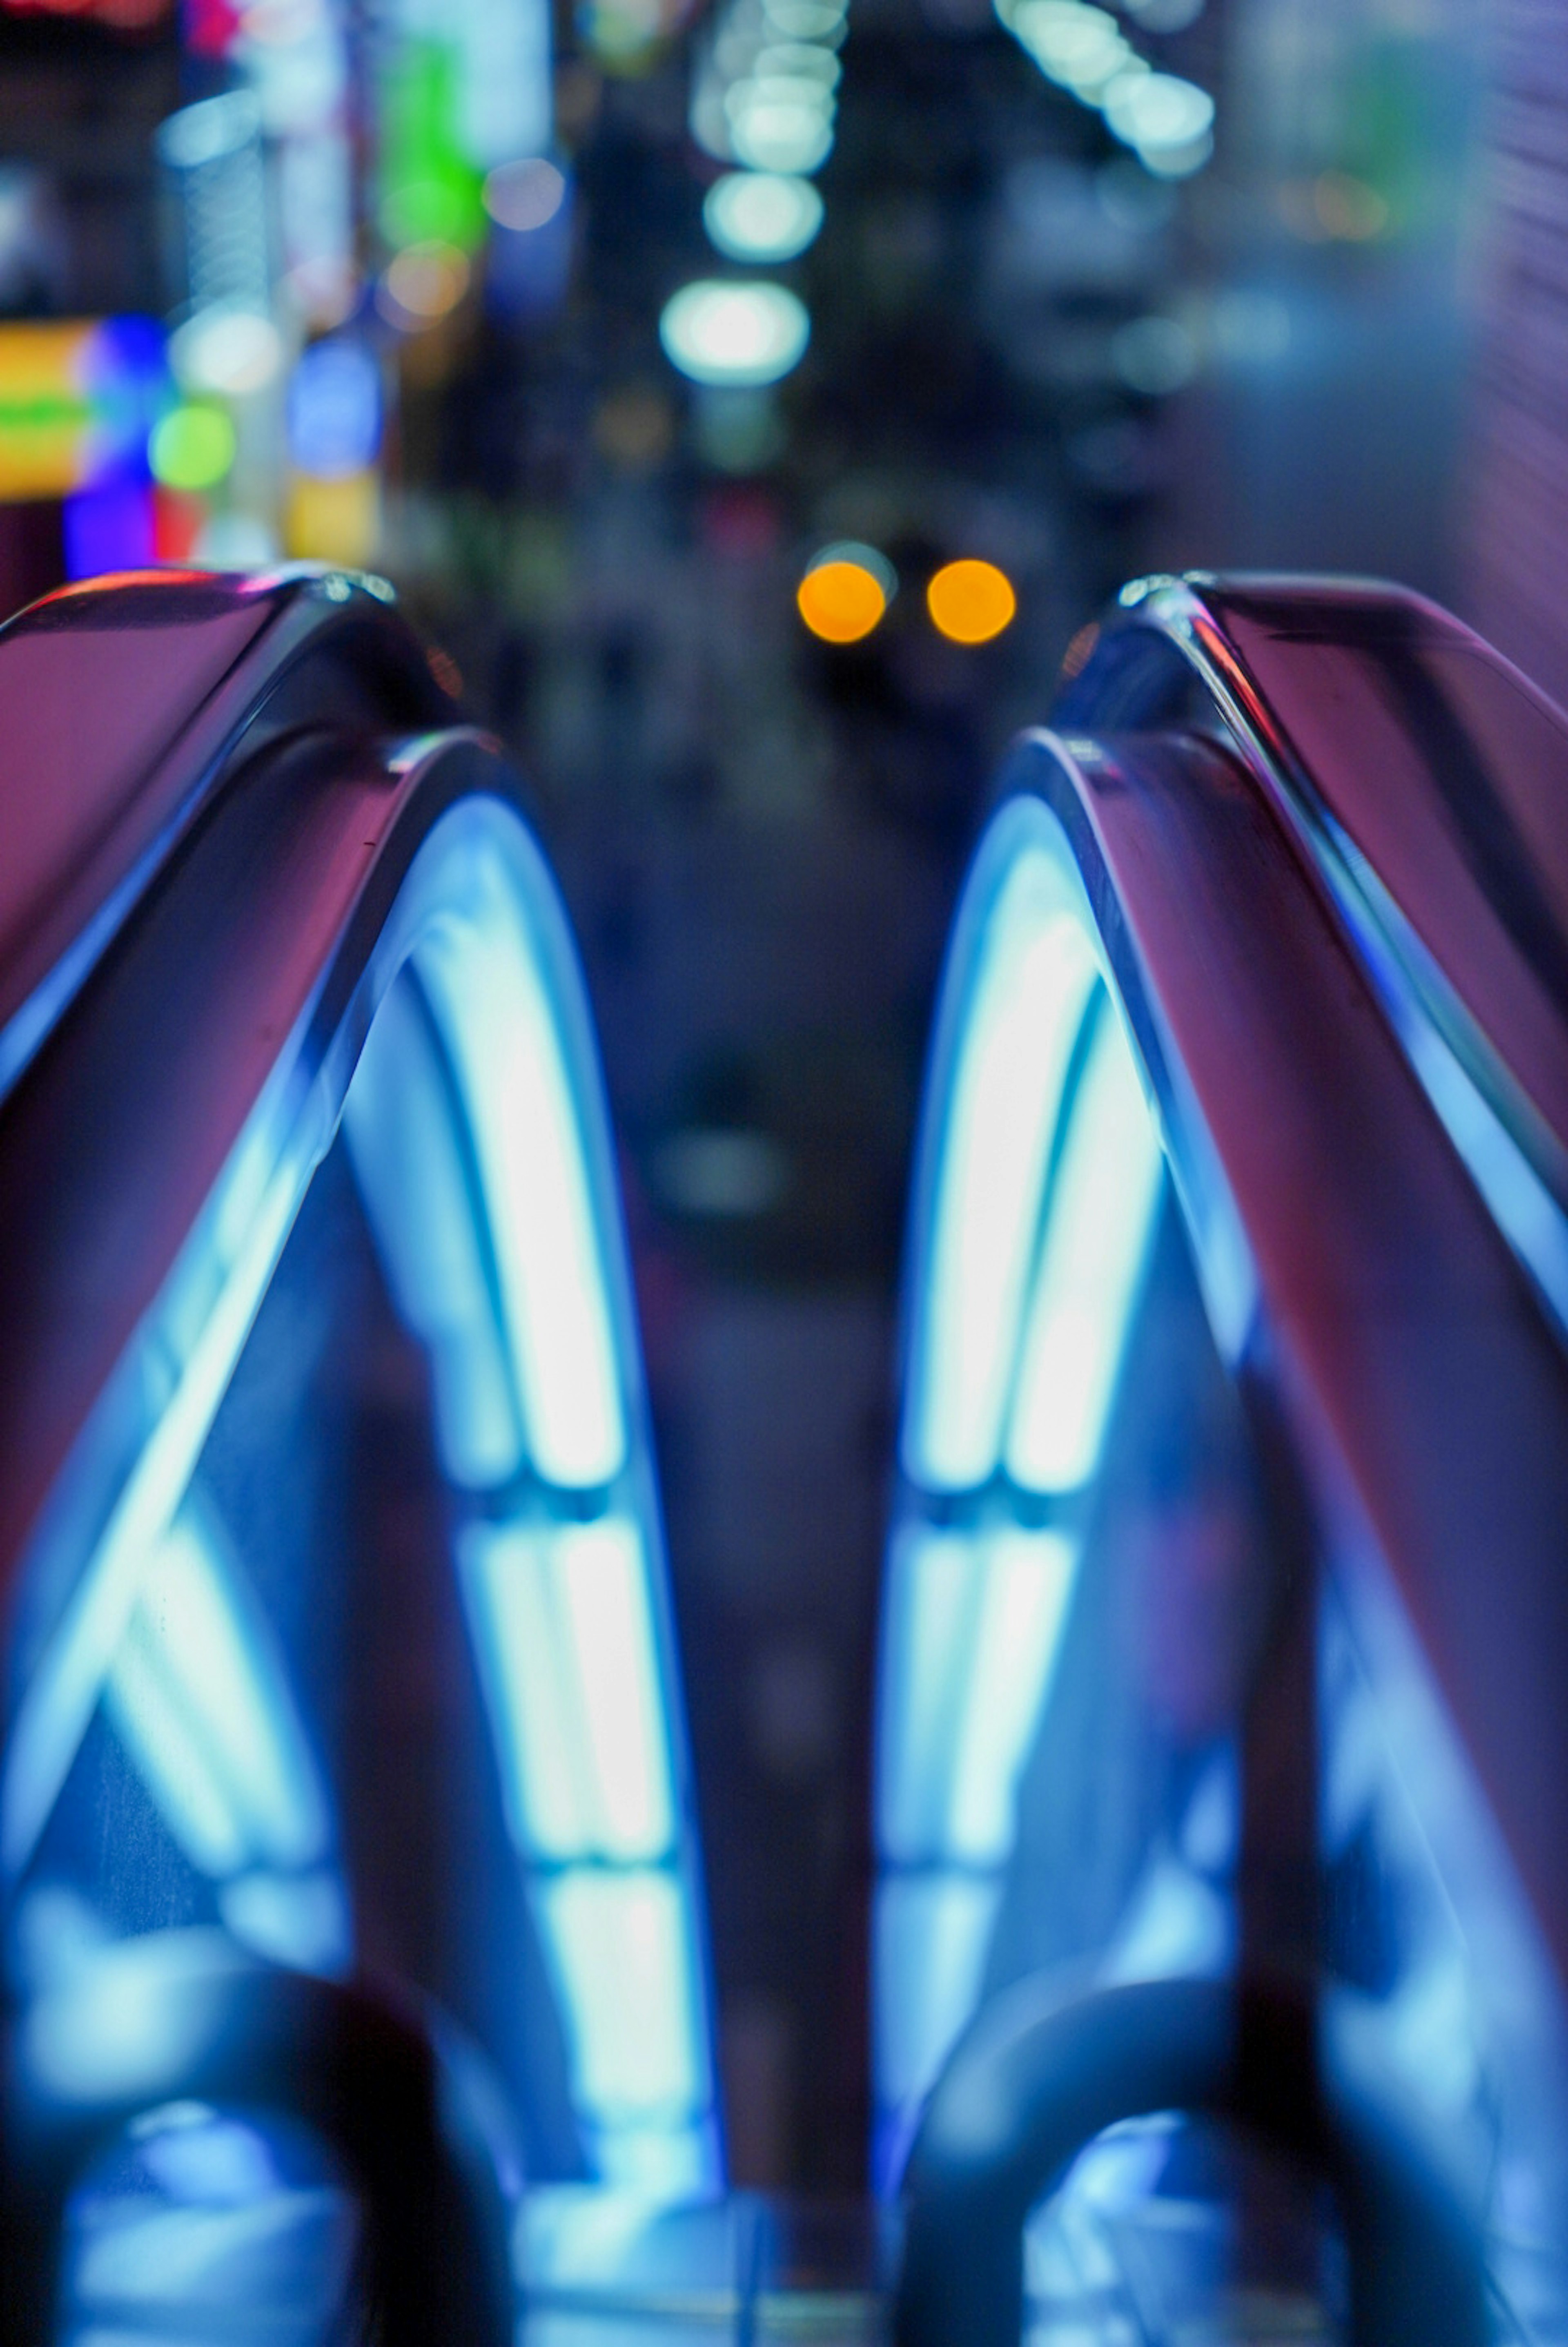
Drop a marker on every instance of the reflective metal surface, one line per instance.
(1295, 1713)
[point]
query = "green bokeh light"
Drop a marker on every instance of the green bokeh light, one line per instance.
(192, 447)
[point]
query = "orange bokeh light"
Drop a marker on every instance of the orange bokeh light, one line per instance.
(840, 601)
(971, 601)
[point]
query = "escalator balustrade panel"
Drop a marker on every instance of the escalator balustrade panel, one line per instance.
(1221, 1918)
(350, 1866)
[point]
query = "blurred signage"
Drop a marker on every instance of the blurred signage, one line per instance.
(79, 399)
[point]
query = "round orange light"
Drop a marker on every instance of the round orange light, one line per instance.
(840, 601)
(971, 601)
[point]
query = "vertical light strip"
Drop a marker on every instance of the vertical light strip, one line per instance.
(1027, 1282)
(601, 1574)
(204, 1706)
(489, 1000)
(535, 1717)
(927, 1639)
(931, 1935)
(1026, 1580)
(1093, 1251)
(564, 1629)
(399, 1122)
(1035, 971)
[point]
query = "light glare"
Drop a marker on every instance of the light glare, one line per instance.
(191, 448)
(840, 600)
(971, 601)
(523, 196)
(722, 331)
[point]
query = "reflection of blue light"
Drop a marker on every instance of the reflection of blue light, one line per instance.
(202, 1705)
(206, 1314)
(202, 2160)
(624, 1958)
(131, 2019)
(198, 2225)
(1033, 979)
(301, 1920)
(564, 1627)
(1177, 1922)
(489, 997)
(400, 1122)
(1096, 1242)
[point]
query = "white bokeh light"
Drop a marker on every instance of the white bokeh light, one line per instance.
(723, 330)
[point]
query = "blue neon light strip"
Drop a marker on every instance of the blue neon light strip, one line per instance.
(1046, 1175)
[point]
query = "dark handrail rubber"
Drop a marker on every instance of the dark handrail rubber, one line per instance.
(1034, 2081)
(363, 2068)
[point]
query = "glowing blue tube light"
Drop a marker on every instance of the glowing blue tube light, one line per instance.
(1027, 999)
(566, 1639)
(487, 991)
(1040, 1184)
(202, 1703)
(621, 1945)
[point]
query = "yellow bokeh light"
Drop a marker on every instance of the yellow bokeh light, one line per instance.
(971, 601)
(842, 601)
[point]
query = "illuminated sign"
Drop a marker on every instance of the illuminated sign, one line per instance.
(77, 401)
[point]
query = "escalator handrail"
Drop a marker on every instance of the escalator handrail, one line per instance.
(1036, 2081)
(361, 2067)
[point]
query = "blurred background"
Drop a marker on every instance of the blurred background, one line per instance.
(662, 357)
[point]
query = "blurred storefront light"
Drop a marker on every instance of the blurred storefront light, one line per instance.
(333, 503)
(423, 284)
(463, 91)
(192, 447)
(845, 593)
(1168, 122)
(971, 601)
(77, 402)
(528, 259)
(719, 331)
(1154, 356)
(782, 123)
(335, 409)
(761, 215)
(524, 195)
